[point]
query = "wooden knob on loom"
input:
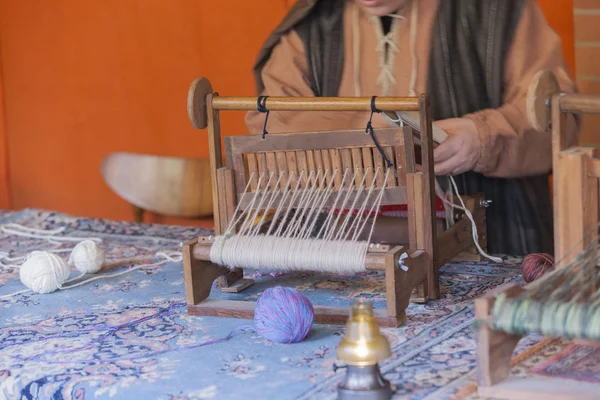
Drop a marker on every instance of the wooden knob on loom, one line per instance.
(543, 86)
(196, 102)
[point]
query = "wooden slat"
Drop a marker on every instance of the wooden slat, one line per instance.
(428, 195)
(222, 191)
(391, 176)
(272, 167)
(252, 168)
(263, 171)
(322, 314)
(594, 168)
(347, 163)
(318, 160)
(408, 149)
(282, 167)
(357, 164)
(336, 164)
(302, 167)
(412, 218)
(236, 162)
(310, 162)
(316, 140)
(326, 158)
(215, 154)
(230, 197)
(367, 159)
(379, 168)
(577, 202)
(292, 167)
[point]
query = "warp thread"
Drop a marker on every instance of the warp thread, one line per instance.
(535, 265)
(282, 315)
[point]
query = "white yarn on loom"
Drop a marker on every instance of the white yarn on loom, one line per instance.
(277, 253)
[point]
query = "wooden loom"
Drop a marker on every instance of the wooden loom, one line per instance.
(330, 150)
(570, 292)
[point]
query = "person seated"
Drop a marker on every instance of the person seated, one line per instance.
(475, 59)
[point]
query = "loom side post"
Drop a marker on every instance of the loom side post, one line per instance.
(198, 275)
(429, 243)
(576, 203)
(232, 281)
(216, 158)
(399, 283)
(494, 348)
(223, 194)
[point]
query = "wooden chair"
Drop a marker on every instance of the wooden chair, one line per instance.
(169, 186)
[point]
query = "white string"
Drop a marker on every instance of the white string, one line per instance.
(284, 196)
(375, 207)
(50, 235)
(349, 214)
(274, 193)
(325, 197)
(473, 225)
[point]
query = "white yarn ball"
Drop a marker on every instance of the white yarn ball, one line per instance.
(87, 257)
(44, 272)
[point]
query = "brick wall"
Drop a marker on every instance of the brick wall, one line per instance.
(587, 60)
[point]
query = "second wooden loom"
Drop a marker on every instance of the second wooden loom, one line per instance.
(562, 303)
(410, 268)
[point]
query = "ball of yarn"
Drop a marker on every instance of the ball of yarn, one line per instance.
(283, 315)
(44, 272)
(87, 257)
(536, 265)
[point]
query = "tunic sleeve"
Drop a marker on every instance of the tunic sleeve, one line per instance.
(510, 147)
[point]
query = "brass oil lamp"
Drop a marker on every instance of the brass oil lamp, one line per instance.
(361, 349)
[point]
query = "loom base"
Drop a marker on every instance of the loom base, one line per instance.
(323, 314)
(238, 286)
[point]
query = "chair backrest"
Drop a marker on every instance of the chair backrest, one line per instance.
(170, 186)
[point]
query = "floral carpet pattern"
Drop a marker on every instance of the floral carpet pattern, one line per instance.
(129, 337)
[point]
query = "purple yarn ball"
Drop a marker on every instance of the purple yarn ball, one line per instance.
(283, 315)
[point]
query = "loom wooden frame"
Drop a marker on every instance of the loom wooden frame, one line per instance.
(427, 250)
(576, 210)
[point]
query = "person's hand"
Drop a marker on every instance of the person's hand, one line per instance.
(460, 152)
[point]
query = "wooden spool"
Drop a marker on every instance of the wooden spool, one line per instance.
(543, 86)
(196, 102)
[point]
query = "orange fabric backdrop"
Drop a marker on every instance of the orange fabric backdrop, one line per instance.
(83, 78)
